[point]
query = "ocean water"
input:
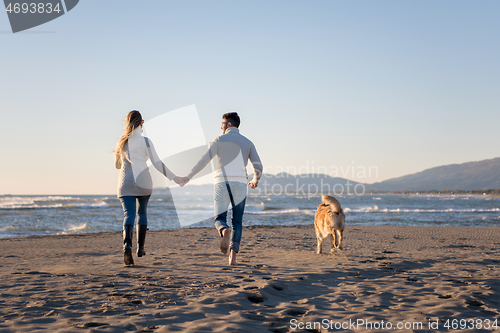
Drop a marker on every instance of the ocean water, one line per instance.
(51, 215)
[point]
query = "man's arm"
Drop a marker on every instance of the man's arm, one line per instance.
(257, 167)
(204, 159)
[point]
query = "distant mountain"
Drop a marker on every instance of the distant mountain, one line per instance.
(468, 176)
(308, 183)
(481, 175)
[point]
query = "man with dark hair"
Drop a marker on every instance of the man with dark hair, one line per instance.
(233, 118)
(233, 151)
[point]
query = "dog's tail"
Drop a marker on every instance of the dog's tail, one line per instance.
(332, 202)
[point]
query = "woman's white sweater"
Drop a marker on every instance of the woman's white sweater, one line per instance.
(134, 178)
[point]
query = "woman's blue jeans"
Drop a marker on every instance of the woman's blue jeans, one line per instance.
(130, 209)
(233, 193)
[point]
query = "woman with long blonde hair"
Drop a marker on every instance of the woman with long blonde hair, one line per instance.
(135, 184)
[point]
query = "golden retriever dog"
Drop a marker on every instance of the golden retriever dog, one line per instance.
(329, 221)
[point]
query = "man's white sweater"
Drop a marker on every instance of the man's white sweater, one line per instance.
(233, 151)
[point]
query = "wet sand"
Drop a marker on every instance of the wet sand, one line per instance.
(405, 275)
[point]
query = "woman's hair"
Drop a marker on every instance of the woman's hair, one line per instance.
(132, 121)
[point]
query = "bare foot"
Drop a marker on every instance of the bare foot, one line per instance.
(224, 242)
(232, 258)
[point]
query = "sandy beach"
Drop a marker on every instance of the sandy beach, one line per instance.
(385, 275)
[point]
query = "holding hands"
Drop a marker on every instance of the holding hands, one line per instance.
(253, 183)
(181, 181)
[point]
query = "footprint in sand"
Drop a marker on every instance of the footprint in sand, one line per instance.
(251, 288)
(90, 324)
(255, 297)
(295, 312)
(474, 302)
(278, 286)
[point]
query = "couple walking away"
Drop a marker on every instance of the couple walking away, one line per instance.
(135, 185)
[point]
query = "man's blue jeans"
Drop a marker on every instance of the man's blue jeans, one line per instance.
(233, 193)
(130, 210)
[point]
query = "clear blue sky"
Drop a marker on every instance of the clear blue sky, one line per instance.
(400, 85)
